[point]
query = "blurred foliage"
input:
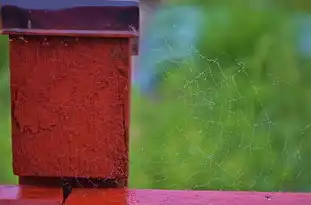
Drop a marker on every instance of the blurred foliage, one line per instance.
(6, 173)
(236, 115)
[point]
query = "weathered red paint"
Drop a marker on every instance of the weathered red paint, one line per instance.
(70, 106)
(157, 197)
(161, 197)
(30, 195)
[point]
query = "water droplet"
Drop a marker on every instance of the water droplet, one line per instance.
(65, 43)
(29, 24)
(45, 42)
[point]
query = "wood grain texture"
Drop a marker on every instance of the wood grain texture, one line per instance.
(70, 106)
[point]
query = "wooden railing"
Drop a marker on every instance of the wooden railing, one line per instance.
(70, 88)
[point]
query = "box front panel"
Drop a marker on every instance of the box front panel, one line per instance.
(70, 106)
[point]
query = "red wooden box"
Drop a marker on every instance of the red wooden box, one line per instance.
(70, 83)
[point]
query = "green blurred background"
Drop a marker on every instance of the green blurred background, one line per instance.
(5, 141)
(234, 116)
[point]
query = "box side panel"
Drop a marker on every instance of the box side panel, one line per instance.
(69, 106)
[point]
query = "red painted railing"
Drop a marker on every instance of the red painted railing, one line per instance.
(70, 86)
(32, 195)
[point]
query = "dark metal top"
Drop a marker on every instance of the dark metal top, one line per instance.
(70, 17)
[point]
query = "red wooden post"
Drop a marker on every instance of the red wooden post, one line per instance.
(70, 83)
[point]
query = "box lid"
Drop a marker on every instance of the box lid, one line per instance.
(71, 17)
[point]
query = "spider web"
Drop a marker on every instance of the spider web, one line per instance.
(223, 123)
